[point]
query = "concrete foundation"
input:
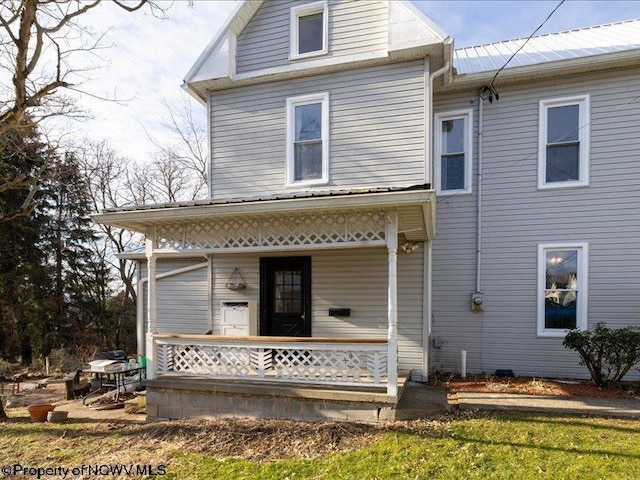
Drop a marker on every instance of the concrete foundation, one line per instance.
(188, 397)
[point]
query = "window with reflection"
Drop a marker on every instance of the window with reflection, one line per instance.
(563, 288)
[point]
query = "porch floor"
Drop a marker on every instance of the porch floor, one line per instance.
(178, 396)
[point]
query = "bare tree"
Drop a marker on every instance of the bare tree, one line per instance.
(39, 43)
(108, 177)
(182, 156)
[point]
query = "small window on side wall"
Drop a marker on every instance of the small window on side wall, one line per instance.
(309, 30)
(562, 288)
(564, 142)
(453, 147)
(308, 140)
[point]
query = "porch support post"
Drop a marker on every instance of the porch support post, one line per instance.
(152, 305)
(392, 334)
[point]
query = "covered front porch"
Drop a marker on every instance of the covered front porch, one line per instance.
(339, 354)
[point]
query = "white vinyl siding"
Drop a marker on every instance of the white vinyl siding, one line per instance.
(517, 216)
(355, 279)
(183, 299)
(562, 288)
(354, 27)
(454, 152)
(563, 153)
(376, 119)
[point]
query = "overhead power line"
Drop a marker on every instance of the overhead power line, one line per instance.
(525, 42)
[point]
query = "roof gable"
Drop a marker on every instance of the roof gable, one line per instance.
(408, 29)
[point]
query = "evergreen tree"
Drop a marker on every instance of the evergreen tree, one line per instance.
(21, 154)
(54, 292)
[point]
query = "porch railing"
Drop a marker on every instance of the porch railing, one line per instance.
(284, 359)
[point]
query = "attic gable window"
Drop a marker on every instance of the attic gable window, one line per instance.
(309, 29)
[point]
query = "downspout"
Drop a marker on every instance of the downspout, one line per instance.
(477, 303)
(140, 333)
(140, 339)
(479, 200)
(427, 278)
(428, 117)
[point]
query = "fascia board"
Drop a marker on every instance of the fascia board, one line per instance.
(194, 93)
(131, 256)
(234, 23)
(430, 24)
(533, 72)
(138, 218)
(409, 28)
(213, 43)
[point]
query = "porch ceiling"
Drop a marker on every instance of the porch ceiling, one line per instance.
(415, 207)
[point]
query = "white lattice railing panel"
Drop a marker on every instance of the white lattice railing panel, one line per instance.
(336, 363)
(300, 229)
(333, 366)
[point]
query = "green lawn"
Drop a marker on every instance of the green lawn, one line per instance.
(488, 445)
(501, 445)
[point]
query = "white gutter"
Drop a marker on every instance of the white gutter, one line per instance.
(428, 117)
(140, 334)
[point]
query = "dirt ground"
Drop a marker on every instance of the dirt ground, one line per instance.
(256, 439)
(30, 394)
(23, 394)
(53, 393)
(533, 386)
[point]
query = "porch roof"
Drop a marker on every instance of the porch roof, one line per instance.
(415, 206)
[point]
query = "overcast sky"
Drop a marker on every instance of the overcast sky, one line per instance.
(150, 57)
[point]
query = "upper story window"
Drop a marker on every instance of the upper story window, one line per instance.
(453, 142)
(309, 30)
(562, 288)
(308, 140)
(564, 142)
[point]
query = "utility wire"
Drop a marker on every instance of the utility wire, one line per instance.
(604, 116)
(525, 42)
(492, 91)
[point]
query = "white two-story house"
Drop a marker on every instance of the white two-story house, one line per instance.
(375, 210)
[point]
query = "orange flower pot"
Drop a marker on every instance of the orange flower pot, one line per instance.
(39, 412)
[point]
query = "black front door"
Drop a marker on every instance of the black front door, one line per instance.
(285, 296)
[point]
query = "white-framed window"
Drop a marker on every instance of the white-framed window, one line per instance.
(308, 140)
(562, 288)
(563, 150)
(453, 147)
(309, 29)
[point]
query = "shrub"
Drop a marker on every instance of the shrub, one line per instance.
(7, 369)
(607, 353)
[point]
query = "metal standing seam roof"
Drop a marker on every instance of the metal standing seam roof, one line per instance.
(570, 44)
(274, 197)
